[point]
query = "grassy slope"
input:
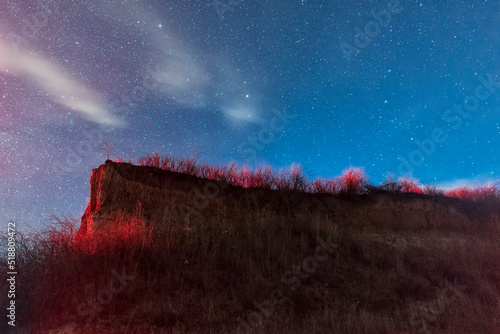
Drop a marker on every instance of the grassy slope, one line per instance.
(388, 271)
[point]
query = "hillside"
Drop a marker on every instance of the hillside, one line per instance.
(202, 256)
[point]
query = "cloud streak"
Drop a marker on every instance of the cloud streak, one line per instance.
(183, 72)
(52, 79)
(470, 182)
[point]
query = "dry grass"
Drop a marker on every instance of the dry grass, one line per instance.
(352, 181)
(203, 278)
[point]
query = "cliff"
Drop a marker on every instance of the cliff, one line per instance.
(164, 197)
(125, 188)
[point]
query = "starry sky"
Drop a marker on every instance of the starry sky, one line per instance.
(392, 86)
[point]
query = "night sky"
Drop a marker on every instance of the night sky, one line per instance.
(394, 87)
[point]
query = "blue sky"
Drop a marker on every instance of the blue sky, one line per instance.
(390, 86)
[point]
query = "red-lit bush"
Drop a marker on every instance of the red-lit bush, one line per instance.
(123, 234)
(324, 186)
(489, 191)
(409, 185)
(461, 192)
(211, 172)
(352, 181)
(391, 184)
(480, 193)
(262, 177)
(244, 178)
(186, 165)
(183, 165)
(433, 190)
(294, 179)
(152, 160)
(298, 178)
(282, 181)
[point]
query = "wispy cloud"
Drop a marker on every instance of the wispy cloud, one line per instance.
(469, 182)
(238, 113)
(182, 78)
(182, 71)
(51, 78)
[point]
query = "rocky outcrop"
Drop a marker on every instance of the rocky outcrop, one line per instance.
(163, 197)
(123, 188)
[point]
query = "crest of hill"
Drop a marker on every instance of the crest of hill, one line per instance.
(163, 197)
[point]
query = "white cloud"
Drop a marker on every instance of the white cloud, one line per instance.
(239, 114)
(51, 78)
(471, 182)
(179, 76)
(181, 71)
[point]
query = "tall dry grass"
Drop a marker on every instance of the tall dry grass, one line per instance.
(203, 277)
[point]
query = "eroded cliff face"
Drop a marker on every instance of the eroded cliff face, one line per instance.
(165, 198)
(127, 189)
